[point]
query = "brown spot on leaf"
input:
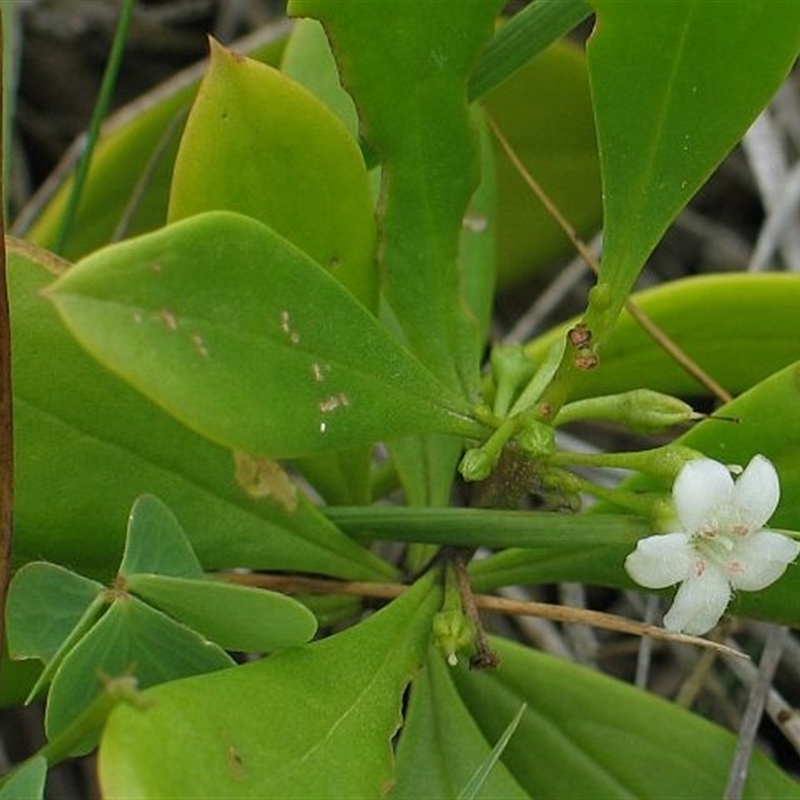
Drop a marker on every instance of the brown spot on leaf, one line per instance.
(235, 762)
(169, 319)
(261, 477)
(586, 360)
(580, 335)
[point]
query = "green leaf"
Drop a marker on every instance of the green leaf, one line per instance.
(45, 604)
(308, 60)
(260, 144)
(427, 464)
(316, 721)
(720, 321)
(87, 445)
(130, 638)
(675, 85)
(584, 734)
(156, 543)
(402, 76)
(27, 782)
(241, 354)
(235, 617)
(441, 745)
(160, 567)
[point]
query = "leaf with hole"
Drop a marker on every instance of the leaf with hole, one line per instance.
(401, 77)
(441, 745)
(315, 721)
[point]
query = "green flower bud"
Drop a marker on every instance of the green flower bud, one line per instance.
(640, 410)
(512, 369)
(536, 438)
(453, 632)
(476, 464)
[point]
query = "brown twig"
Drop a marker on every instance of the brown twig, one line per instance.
(291, 584)
(485, 657)
(650, 327)
(6, 412)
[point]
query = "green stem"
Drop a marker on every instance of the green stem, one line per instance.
(648, 505)
(98, 115)
(472, 527)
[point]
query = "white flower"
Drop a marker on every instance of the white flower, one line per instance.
(722, 546)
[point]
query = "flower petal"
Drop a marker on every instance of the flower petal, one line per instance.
(756, 494)
(760, 559)
(703, 488)
(660, 561)
(700, 602)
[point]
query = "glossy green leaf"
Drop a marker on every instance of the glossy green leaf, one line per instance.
(241, 354)
(155, 542)
(587, 735)
(260, 144)
(130, 639)
(45, 604)
(87, 446)
(316, 721)
(403, 75)
(27, 782)
(441, 746)
(127, 189)
(674, 87)
(545, 113)
(234, 617)
(739, 327)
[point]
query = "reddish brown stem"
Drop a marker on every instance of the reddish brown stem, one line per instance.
(6, 415)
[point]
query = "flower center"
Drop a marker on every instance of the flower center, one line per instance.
(715, 546)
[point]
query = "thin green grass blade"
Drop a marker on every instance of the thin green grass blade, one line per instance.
(482, 773)
(524, 36)
(100, 110)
